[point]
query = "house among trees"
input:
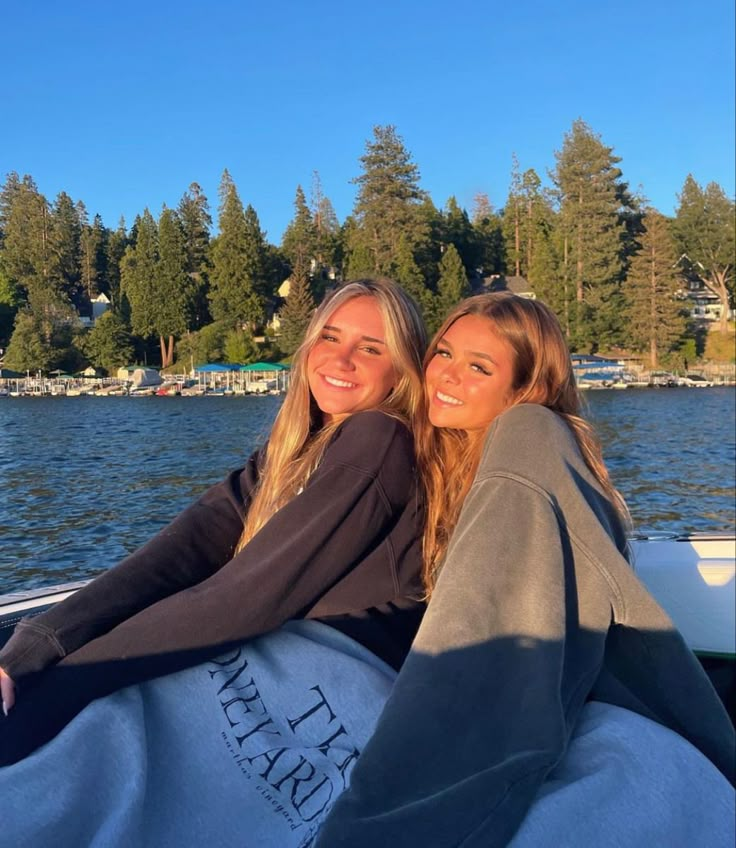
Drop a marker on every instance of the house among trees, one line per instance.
(515, 284)
(100, 305)
(704, 304)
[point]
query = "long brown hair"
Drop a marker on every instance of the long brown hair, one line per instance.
(298, 437)
(542, 374)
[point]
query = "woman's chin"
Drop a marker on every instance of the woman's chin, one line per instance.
(439, 418)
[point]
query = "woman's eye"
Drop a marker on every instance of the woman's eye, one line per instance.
(445, 354)
(480, 369)
(372, 350)
(328, 338)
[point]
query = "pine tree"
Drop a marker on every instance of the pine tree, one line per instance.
(237, 274)
(457, 230)
(544, 274)
(406, 272)
(32, 266)
(257, 258)
(527, 222)
(29, 350)
(173, 292)
(705, 228)
(27, 257)
(91, 248)
(388, 200)
(328, 247)
(116, 242)
(66, 230)
(359, 259)
(10, 190)
(194, 215)
(488, 234)
(654, 316)
(9, 304)
(452, 286)
(299, 242)
(10, 294)
(593, 229)
(296, 313)
(427, 249)
(512, 218)
(138, 276)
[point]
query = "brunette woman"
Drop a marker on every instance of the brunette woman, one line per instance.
(547, 699)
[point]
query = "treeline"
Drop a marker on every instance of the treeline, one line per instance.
(613, 269)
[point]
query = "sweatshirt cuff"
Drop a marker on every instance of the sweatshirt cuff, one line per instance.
(32, 648)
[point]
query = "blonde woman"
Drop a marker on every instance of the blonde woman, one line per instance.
(316, 542)
(547, 699)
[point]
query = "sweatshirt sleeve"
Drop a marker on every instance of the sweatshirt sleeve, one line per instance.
(346, 510)
(485, 702)
(196, 544)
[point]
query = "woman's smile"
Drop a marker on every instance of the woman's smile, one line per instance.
(441, 397)
(338, 384)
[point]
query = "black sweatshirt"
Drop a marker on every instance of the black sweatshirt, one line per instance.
(345, 551)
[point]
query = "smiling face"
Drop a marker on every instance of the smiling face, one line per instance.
(470, 376)
(349, 368)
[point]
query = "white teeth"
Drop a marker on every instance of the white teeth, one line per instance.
(342, 384)
(448, 399)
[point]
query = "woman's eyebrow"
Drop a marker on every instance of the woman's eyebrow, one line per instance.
(481, 355)
(332, 328)
(477, 353)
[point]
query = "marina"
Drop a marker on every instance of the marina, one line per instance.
(218, 380)
(214, 379)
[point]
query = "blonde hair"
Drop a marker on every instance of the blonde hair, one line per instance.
(542, 374)
(298, 437)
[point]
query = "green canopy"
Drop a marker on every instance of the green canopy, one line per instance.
(264, 366)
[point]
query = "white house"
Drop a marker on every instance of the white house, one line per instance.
(704, 304)
(100, 305)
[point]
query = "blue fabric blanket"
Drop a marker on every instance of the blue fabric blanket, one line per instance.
(251, 749)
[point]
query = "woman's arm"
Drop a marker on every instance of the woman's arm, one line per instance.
(190, 549)
(483, 706)
(344, 515)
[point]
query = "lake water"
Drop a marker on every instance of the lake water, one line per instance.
(87, 480)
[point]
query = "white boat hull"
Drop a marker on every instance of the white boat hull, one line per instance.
(694, 579)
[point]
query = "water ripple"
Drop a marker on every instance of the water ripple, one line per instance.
(85, 481)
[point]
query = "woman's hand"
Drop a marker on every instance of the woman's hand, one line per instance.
(7, 691)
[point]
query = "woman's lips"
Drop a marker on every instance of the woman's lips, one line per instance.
(336, 383)
(446, 400)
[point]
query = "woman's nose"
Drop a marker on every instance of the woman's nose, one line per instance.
(450, 374)
(344, 359)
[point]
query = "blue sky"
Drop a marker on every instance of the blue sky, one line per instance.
(124, 105)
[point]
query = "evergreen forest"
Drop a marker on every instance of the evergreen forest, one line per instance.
(614, 269)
